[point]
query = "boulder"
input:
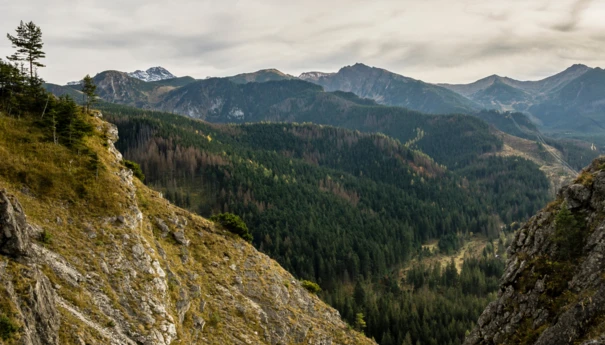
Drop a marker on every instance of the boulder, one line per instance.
(14, 238)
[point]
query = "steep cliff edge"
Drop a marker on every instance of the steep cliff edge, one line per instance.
(89, 255)
(553, 288)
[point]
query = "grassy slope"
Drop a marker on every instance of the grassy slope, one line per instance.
(71, 202)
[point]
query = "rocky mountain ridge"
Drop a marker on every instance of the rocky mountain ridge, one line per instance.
(133, 269)
(552, 291)
(389, 88)
(152, 74)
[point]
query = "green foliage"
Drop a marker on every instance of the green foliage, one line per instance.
(7, 327)
(512, 186)
(433, 305)
(311, 286)
(89, 89)
(68, 123)
(336, 206)
(46, 237)
(234, 224)
(28, 43)
(214, 320)
(570, 234)
(575, 152)
(450, 243)
(136, 169)
(360, 323)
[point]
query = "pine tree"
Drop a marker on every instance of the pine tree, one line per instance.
(28, 43)
(89, 88)
(360, 323)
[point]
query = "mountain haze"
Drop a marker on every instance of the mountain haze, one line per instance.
(260, 76)
(392, 89)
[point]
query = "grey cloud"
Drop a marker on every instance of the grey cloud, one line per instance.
(573, 19)
(438, 40)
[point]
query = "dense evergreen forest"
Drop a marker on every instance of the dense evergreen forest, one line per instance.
(342, 208)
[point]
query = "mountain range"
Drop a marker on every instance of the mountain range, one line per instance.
(570, 101)
(392, 89)
(269, 95)
(568, 104)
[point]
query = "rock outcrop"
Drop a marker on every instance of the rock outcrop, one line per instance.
(151, 274)
(553, 288)
(14, 239)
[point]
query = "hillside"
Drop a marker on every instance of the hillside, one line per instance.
(455, 141)
(450, 140)
(260, 76)
(567, 104)
(576, 106)
(538, 87)
(90, 255)
(552, 290)
(392, 89)
(340, 207)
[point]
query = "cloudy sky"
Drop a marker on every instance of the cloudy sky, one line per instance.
(434, 40)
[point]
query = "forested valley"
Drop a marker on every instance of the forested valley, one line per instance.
(347, 210)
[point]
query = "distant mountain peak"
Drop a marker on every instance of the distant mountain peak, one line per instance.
(314, 76)
(263, 75)
(359, 66)
(152, 74)
(579, 65)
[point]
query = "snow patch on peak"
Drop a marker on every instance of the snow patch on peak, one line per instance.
(152, 74)
(314, 76)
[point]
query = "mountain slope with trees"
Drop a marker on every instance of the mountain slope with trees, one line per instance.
(90, 255)
(342, 208)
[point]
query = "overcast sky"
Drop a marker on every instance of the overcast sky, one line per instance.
(434, 40)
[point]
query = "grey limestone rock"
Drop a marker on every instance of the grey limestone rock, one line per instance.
(525, 307)
(14, 237)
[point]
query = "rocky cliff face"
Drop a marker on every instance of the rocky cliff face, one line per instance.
(553, 289)
(150, 273)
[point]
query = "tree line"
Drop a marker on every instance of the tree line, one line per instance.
(22, 92)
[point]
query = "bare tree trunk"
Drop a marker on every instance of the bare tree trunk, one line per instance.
(46, 105)
(54, 129)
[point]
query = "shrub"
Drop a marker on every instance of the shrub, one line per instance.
(449, 244)
(311, 286)
(46, 237)
(570, 234)
(214, 319)
(136, 169)
(7, 327)
(234, 224)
